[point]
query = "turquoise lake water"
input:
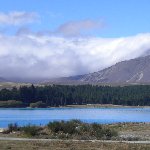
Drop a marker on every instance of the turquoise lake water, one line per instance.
(38, 116)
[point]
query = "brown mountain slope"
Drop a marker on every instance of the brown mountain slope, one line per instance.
(131, 71)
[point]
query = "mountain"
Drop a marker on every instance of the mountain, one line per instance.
(130, 71)
(134, 71)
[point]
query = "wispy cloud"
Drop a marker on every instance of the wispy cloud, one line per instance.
(75, 28)
(69, 29)
(53, 56)
(16, 18)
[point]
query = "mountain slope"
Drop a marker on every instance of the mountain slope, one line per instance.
(131, 71)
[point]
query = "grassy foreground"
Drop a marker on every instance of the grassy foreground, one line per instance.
(69, 145)
(73, 129)
(78, 130)
(65, 134)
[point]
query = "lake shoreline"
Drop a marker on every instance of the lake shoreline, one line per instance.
(86, 106)
(102, 106)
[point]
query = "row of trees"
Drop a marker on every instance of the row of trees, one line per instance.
(60, 95)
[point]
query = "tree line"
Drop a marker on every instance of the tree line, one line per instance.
(60, 95)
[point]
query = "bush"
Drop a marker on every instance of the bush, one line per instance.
(65, 127)
(69, 127)
(38, 104)
(77, 128)
(109, 133)
(31, 130)
(55, 126)
(96, 126)
(97, 130)
(83, 128)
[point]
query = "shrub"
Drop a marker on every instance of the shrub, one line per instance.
(84, 128)
(70, 127)
(65, 127)
(77, 128)
(55, 126)
(38, 104)
(96, 130)
(96, 126)
(109, 133)
(31, 130)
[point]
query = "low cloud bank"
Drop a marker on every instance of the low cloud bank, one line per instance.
(31, 55)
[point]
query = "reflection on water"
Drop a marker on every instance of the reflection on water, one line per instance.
(100, 115)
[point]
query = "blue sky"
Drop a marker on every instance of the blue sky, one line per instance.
(55, 38)
(121, 18)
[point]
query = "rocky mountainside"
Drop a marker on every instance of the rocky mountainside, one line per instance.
(131, 71)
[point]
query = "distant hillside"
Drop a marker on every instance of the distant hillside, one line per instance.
(131, 71)
(134, 71)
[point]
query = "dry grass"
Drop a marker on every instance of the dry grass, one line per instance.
(126, 129)
(69, 145)
(132, 131)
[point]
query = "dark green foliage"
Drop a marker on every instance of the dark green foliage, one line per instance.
(38, 104)
(97, 130)
(65, 127)
(78, 128)
(55, 126)
(60, 95)
(31, 130)
(109, 133)
(73, 129)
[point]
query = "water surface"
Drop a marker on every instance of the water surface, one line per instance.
(24, 116)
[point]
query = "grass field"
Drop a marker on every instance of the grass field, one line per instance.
(69, 145)
(126, 132)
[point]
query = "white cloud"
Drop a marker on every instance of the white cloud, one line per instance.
(52, 56)
(17, 18)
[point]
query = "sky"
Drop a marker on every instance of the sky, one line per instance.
(55, 38)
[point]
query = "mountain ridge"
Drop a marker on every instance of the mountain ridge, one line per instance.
(130, 71)
(133, 71)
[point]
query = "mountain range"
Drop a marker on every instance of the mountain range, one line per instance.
(134, 71)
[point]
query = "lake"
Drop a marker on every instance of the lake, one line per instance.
(24, 116)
